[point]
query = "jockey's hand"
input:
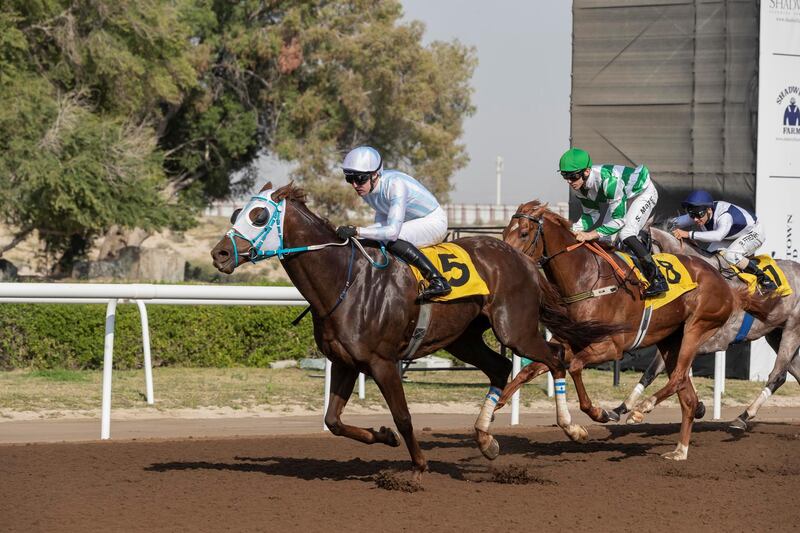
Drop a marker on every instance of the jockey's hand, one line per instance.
(582, 236)
(345, 232)
(680, 233)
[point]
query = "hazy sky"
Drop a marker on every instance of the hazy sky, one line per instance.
(522, 87)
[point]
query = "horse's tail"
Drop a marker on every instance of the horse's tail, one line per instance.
(757, 304)
(578, 334)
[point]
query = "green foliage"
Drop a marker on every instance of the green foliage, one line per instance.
(129, 112)
(71, 336)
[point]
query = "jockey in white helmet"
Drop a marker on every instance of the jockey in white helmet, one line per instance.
(407, 215)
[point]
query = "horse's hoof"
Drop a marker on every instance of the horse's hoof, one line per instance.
(577, 433)
(635, 417)
(492, 450)
(700, 410)
(737, 426)
(390, 436)
(674, 456)
(612, 415)
(619, 411)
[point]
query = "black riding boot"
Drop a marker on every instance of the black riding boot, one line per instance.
(437, 285)
(763, 280)
(658, 285)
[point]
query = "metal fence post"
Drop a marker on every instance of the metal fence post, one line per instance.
(148, 365)
(108, 362)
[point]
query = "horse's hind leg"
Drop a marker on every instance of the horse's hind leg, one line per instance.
(471, 348)
(655, 368)
(343, 378)
(785, 343)
(386, 375)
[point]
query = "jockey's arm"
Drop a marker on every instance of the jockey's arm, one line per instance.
(390, 230)
(719, 232)
(683, 221)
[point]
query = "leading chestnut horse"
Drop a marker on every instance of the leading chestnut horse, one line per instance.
(597, 292)
(364, 317)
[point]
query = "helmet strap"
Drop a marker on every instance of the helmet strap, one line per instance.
(373, 180)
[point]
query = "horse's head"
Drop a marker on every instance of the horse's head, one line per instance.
(525, 231)
(258, 229)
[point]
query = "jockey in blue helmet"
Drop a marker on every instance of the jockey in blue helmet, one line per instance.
(723, 227)
(407, 215)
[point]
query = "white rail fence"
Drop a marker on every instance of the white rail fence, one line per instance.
(142, 294)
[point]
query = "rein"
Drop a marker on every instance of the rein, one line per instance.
(595, 248)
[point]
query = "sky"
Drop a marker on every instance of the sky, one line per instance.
(522, 90)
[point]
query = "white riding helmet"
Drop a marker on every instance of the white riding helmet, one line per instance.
(363, 159)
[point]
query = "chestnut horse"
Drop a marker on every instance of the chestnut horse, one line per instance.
(677, 328)
(781, 329)
(364, 316)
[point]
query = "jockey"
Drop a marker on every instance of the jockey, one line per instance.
(407, 215)
(726, 228)
(629, 196)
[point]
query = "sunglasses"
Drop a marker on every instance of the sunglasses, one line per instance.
(359, 178)
(694, 213)
(575, 175)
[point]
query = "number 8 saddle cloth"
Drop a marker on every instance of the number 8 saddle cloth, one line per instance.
(678, 278)
(457, 268)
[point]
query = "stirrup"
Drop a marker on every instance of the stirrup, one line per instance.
(657, 286)
(436, 287)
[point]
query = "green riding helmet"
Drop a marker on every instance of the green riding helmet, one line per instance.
(573, 160)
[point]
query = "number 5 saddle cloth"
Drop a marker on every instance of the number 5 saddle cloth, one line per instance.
(678, 278)
(456, 266)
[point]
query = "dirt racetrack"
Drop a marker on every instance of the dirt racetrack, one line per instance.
(616, 482)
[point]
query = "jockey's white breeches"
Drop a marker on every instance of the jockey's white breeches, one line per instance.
(736, 252)
(638, 212)
(426, 231)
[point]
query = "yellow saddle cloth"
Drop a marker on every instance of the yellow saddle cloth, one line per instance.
(678, 278)
(457, 268)
(772, 270)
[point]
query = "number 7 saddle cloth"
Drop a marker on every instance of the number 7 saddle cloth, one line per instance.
(457, 268)
(771, 269)
(678, 278)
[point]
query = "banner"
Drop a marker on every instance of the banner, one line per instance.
(778, 160)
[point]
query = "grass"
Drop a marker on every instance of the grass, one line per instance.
(244, 388)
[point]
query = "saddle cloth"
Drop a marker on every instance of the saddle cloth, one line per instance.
(457, 268)
(771, 269)
(678, 278)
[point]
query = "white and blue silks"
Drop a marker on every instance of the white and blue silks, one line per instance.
(731, 230)
(404, 209)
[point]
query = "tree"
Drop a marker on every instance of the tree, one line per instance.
(134, 113)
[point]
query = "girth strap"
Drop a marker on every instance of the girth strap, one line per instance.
(585, 295)
(423, 321)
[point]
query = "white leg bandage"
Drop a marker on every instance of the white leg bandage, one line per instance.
(563, 417)
(485, 416)
(758, 402)
(634, 395)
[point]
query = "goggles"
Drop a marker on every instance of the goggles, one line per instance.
(356, 176)
(696, 212)
(573, 175)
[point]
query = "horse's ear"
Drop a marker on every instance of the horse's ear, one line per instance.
(267, 186)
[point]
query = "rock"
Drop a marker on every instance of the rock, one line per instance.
(312, 363)
(286, 363)
(132, 263)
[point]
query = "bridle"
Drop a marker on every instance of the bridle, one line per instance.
(539, 223)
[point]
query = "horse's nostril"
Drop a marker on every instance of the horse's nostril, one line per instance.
(222, 254)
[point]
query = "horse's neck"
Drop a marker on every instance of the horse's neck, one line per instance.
(568, 269)
(319, 275)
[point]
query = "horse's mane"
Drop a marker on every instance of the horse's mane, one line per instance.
(535, 207)
(296, 194)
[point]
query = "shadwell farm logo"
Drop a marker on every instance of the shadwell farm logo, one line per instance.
(789, 112)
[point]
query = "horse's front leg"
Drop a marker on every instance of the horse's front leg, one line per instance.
(343, 379)
(387, 376)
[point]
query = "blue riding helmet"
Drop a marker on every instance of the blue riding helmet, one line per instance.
(698, 198)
